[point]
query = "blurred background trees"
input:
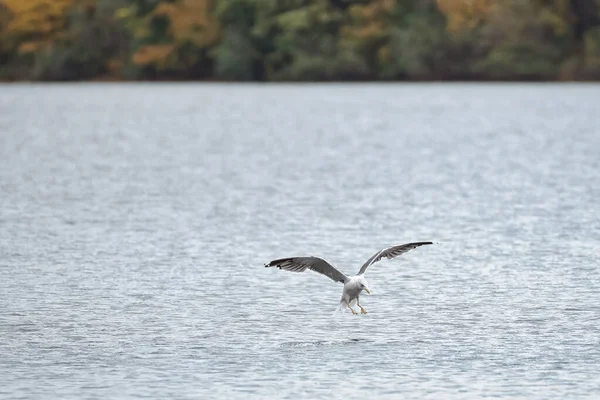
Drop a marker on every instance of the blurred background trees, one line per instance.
(300, 40)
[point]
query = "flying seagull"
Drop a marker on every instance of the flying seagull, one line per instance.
(353, 285)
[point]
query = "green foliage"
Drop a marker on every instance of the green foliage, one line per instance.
(417, 47)
(234, 57)
(95, 45)
(345, 66)
(520, 61)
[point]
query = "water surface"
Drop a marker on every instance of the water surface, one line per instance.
(135, 221)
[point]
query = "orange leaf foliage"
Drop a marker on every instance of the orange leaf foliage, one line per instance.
(370, 20)
(34, 24)
(156, 54)
(190, 20)
(465, 14)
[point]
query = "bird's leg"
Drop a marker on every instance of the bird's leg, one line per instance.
(362, 309)
(351, 309)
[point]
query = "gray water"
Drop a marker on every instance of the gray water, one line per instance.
(135, 221)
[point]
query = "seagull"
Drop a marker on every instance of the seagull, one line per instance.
(353, 285)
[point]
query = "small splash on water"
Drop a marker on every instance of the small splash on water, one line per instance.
(342, 308)
(316, 343)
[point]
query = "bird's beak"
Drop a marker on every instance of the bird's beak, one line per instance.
(368, 291)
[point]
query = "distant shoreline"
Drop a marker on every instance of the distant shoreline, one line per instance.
(328, 82)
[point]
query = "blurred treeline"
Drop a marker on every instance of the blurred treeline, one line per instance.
(300, 40)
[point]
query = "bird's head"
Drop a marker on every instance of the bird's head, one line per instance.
(364, 285)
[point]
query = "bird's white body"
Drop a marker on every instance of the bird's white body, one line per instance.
(351, 292)
(354, 287)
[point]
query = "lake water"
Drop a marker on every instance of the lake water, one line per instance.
(135, 221)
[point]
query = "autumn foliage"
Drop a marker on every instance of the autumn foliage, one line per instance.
(32, 25)
(299, 39)
(466, 14)
(190, 25)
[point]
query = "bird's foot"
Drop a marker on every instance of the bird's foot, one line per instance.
(353, 312)
(363, 311)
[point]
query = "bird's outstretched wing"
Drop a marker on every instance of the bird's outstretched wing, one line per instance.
(389, 253)
(301, 264)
